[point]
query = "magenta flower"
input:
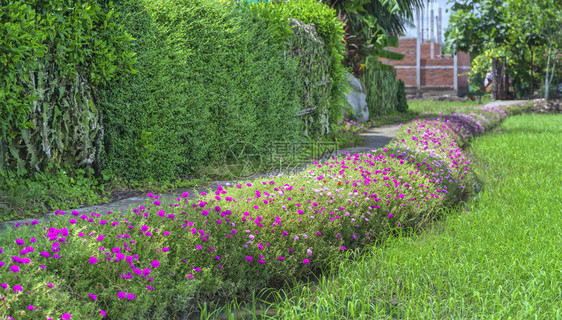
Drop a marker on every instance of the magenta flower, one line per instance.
(93, 296)
(281, 258)
(190, 276)
(248, 258)
(130, 296)
(149, 288)
(165, 249)
(93, 260)
(66, 316)
(17, 288)
(102, 313)
(100, 237)
(121, 295)
(15, 269)
(185, 195)
(306, 261)
(30, 307)
(20, 242)
(155, 264)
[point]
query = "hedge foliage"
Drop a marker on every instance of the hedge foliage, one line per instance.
(385, 93)
(330, 29)
(214, 80)
(53, 55)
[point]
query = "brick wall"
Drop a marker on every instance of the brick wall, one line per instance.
(436, 73)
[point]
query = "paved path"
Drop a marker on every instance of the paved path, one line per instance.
(374, 138)
(503, 103)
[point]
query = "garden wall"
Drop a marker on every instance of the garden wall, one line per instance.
(436, 73)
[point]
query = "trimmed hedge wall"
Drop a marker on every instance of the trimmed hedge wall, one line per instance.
(212, 76)
(53, 56)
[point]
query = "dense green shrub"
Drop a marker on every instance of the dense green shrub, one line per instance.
(381, 91)
(401, 103)
(53, 56)
(212, 80)
(275, 17)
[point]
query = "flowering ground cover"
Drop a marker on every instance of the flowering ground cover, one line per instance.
(498, 257)
(160, 259)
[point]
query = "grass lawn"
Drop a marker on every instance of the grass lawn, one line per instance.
(497, 258)
(432, 106)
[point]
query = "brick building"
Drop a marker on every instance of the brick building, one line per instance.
(437, 74)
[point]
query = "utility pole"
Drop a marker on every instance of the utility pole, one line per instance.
(431, 40)
(418, 54)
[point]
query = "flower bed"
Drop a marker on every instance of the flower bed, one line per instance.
(156, 260)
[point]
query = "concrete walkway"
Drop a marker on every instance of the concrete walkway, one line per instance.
(374, 138)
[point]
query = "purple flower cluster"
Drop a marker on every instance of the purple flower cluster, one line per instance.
(255, 231)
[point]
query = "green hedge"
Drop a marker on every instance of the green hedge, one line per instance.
(275, 16)
(213, 78)
(385, 93)
(53, 55)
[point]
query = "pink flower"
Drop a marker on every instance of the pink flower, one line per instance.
(165, 249)
(155, 264)
(102, 313)
(93, 296)
(93, 260)
(20, 242)
(148, 288)
(15, 269)
(121, 295)
(248, 258)
(17, 288)
(30, 307)
(306, 261)
(190, 276)
(130, 296)
(66, 316)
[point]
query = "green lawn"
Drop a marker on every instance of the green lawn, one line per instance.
(432, 106)
(497, 258)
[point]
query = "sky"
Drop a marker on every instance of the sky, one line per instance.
(412, 32)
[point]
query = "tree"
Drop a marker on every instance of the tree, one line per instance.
(521, 27)
(372, 25)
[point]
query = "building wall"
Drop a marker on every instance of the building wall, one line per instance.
(436, 73)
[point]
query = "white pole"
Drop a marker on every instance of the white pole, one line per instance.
(455, 70)
(418, 54)
(431, 40)
(439, 21)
